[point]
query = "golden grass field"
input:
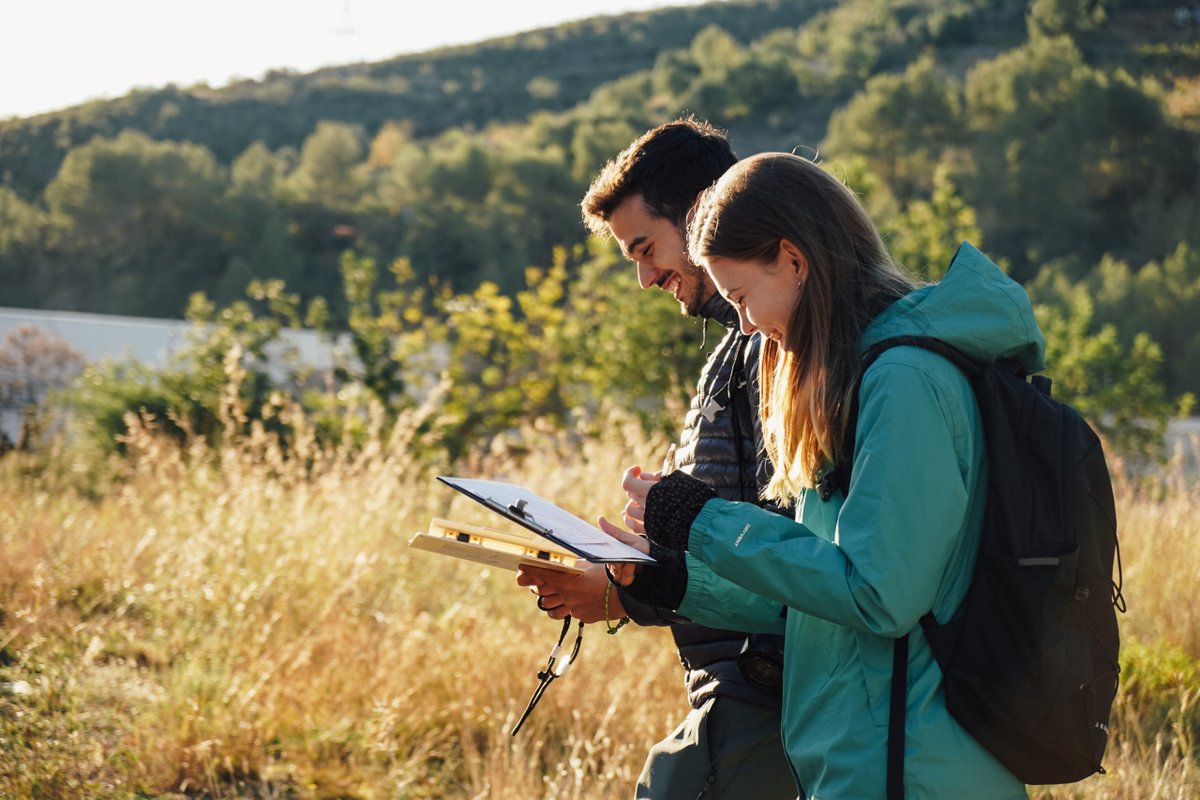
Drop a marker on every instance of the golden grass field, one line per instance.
(232, 622)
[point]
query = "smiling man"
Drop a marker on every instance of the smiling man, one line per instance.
(729, 745)
(652, 243)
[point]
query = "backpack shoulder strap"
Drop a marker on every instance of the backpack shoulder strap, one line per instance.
(839, 476)
(969, 366)
(897, 715)
(898, 696)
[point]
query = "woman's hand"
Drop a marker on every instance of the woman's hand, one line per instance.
(636, 484)
(624, 573)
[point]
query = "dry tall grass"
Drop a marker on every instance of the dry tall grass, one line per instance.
(232, 622)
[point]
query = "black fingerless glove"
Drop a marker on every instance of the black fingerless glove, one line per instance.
(672, 505)
(662, 584)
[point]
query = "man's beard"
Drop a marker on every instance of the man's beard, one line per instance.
(694, 301)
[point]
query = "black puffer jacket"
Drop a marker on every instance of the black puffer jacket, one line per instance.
(720, 445)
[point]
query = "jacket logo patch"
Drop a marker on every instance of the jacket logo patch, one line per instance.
(741, 535)
(711, 409)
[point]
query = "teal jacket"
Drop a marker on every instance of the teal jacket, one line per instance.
(851, 574)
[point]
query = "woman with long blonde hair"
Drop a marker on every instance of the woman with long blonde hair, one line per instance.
(794, 251)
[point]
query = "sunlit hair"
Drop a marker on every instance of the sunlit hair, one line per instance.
(807, 379)
(668, 166)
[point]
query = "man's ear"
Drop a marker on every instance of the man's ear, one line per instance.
(794, 259)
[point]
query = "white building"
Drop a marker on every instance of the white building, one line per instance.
(142, 339)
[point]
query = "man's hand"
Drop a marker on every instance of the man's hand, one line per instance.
(624, 573)
(581, 596)
(662, 584)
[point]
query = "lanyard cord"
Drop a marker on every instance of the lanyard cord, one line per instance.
(547, 675)
(738, 371)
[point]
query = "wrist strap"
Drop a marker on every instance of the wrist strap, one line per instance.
(611, 629)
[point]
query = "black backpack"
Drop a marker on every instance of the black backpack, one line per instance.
(1030, 657)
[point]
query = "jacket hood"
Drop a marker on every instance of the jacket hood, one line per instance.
(976, 308)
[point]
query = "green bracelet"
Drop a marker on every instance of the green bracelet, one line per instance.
(608, 622)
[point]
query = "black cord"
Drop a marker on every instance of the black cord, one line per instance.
(551, 671)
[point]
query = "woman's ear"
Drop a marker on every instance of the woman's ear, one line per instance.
(794, 259)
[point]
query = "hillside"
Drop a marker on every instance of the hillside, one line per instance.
(1062, 137)
(501, 80)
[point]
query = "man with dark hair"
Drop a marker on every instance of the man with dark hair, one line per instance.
(729, 746)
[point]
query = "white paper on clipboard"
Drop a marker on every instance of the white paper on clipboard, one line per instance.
(544, 518)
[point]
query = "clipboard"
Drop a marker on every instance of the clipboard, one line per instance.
(495, 548)
(518, 504)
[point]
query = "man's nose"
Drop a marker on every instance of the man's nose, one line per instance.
(647, 275)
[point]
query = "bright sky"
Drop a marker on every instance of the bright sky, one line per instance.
(57, 53)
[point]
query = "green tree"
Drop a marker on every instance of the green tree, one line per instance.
(503, 367)
(859, 38)
(900, 124)
(457, 165)
(373, 328)
(1161, 299)
(1113, 385)
(331, 171)
(1166, 305)
(720, 79)
(143, 223)
(536, 194)
(1062, 154)
(25, 234)
(632, 349)
(449, 229)
(565, 350)
(1064, 17)
(393, 163)
(675, 71)
(261, 229)
(595, 142)
(926, 234)
(258, 172)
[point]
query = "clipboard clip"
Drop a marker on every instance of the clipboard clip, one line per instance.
(518, 511)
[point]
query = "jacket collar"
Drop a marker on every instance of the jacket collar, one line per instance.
(717, 308)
